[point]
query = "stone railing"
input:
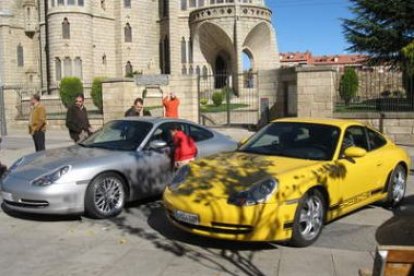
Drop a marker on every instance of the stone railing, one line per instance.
(230, 11)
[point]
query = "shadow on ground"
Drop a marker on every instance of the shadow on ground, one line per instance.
(232, 258)
(399, 230)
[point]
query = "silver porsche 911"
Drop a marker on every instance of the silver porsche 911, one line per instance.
(126, 160)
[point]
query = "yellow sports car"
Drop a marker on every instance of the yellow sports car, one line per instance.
(287, 180)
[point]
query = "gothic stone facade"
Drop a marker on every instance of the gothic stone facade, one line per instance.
(42, 41)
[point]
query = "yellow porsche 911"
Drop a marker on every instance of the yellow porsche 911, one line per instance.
(288, 180)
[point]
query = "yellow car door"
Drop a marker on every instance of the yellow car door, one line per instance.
(361, 174)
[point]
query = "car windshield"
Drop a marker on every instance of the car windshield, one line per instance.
(119, 135)
(295, 140)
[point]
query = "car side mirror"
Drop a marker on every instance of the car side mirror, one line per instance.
(158, 144)
(355, 152)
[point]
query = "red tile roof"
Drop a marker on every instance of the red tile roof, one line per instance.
(306, 57)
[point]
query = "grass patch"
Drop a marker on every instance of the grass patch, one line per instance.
(210, 108)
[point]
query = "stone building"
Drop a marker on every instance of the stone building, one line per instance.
(43, 41)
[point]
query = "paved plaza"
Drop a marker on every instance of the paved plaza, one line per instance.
(142, 242)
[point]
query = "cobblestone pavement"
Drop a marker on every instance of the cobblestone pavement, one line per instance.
(142, 242)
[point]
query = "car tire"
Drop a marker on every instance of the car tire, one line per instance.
(105, 196)
(397, 185)
(309, 219)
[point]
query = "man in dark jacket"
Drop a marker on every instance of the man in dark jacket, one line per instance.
(77, 120)
(137, 110)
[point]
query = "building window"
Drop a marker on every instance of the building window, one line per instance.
(67, 67)
(193, 3)
(78, 68)
(167, 64)
(198, 71)
(129, 69)
(183, 5)
(61, 2)
(184, 70)
(71, 2)
(80, 3)
(52, 3)
(65, 29)
(190, 51)
(201, 3)
(20, 56)
(128, 33)
(58, 69)
(104, 59)
(164, 8)
(127, 4)
(183, 51)
(103, 5)
(191, 70)
(205, 72)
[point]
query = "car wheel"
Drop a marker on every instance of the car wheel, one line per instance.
(396, 186)
(105, 196)
(309, 219)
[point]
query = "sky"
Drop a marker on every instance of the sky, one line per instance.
(312, 25)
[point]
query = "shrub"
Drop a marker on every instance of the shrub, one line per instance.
(70, 87)
(203, 101)
(96, 92)
(348, 87)
(398, 94)
(386, 94)
(217, 98)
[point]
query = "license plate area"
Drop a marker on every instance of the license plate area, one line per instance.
(7, 196)
(187, 217)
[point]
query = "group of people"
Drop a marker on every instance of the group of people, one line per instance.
(79, 127)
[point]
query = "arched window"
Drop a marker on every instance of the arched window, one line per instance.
(128, 33)
(67, 67)
(65, 29)
(205, 72)
(184, 70)
(61, 2)
(183, 51)
(198, 71)
(71, 2)
(20, 56)
(58, 69)
(80, 3)
(183, 5)
(78, 68)
(129, 69)
(164, 8)
(127, 4)
(190, 51)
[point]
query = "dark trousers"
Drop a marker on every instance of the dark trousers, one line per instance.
(39, 140)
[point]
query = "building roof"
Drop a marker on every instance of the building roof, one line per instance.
(309, 59)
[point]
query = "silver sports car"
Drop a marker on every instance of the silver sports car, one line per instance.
(124, 161)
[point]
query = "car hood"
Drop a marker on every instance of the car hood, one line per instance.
(37, 164)
(224, 174)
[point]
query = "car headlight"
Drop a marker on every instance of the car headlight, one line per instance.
(180, 177)
(52, 177)
(257, 194)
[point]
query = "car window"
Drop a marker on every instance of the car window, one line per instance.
(163, 132)
(355, 137)
(375, 140)
(199, 134)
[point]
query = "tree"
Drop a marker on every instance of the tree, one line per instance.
(70, 87)
(96, 92)
(348, 87)
(381, 29)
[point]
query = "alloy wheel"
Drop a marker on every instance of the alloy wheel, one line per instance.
(398, 185)
(311, 217)
(109, 195)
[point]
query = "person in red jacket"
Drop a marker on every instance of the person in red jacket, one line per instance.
(185, 149)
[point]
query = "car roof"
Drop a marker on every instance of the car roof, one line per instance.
(341, 123)
(154, 120)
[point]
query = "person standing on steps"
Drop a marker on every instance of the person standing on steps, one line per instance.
(171, 104)
(77, 120)
(37, 123)
(137, 110)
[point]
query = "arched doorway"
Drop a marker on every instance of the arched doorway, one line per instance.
(221, 72)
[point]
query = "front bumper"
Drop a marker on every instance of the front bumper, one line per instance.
(265, 222)
(63, 198)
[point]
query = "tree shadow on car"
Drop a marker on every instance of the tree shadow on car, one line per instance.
(39, 217)
(398, 230)
(232, 258)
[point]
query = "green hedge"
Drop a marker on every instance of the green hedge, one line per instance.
(217, 98)
(70, 87)
(96, 92)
